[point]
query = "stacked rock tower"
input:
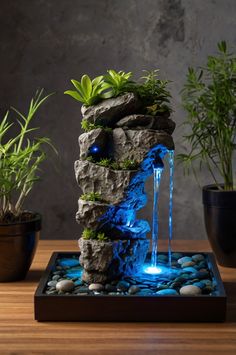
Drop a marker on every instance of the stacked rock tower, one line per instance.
(116, 158)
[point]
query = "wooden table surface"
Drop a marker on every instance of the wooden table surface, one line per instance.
(21, 334)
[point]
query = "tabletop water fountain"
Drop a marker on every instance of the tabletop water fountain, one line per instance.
(119, 274)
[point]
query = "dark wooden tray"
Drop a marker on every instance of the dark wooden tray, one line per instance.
(203, 308)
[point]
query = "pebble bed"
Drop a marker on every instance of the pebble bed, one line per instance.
(189, 275)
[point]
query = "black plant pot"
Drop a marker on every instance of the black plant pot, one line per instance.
(18, 242)
(220, 223)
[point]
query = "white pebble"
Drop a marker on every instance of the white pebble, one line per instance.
(65, 285)
(96, 287)
(190, 290)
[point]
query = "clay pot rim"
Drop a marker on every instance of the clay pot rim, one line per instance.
(22, 227)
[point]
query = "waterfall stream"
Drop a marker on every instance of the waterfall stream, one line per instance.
(158, 167)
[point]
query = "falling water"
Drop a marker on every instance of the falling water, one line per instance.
(157, 172)
(171, 165)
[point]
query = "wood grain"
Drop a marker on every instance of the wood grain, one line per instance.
(20, 334)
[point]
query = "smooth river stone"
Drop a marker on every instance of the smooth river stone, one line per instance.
(133, 289)
(168, 291)
(190, 290)
(187, 264)
(185, 259)
(65, 285)
(198, 257)
(96, 287)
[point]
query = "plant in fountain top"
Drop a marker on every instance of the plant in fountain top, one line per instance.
(20, 158)
(154, 93)
(209, 97)
(117, 83)
(90, 92)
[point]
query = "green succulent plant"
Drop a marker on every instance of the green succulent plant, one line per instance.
(87, 126)
(117, 83)
(101, 237)
(87, 91)
(88, 234)
(91, 234)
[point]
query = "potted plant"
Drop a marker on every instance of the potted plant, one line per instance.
(209, 97)
(20, 158)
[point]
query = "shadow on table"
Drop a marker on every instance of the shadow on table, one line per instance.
(33, 275)
(230, 289)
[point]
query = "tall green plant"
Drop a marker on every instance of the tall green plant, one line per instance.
(209, 97)
(20, 158)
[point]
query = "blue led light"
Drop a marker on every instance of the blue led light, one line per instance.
(94, 149)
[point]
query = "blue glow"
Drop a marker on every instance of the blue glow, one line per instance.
(70, 262)
(94, 149)
(171, 164)
(153, 270)
(121, 219)
(74, 272)
(157, 172)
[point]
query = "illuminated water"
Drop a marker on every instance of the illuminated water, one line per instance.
(171, 165)
(158, 167)
(157, 172)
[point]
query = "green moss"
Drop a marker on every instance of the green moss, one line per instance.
(91, 234)
(128, 164)
(106, 162)
(88, 126)
(92, 196)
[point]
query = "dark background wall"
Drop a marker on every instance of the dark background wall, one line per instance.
(45, 43)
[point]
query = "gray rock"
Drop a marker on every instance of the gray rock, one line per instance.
(97, 137)
(142, 122)
(111, 184)
(133, 289)
(110, 288)
(184, 259)
(198, 257)
(89, 212)
(83, 290)
(109, 111)
(134, 145)
(102, 261)
(123, 286)
(190, 290)
(96, 287)
(65, 285)
(190, 269)
(187, 264)
(52, 283)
